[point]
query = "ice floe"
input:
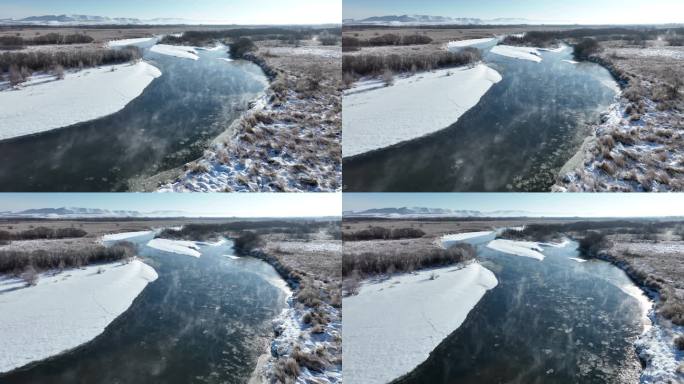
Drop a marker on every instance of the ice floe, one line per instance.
(391, 326)
(176, 50)
(64, 310)
(81, 96)
(522, 53)
(182, 247)
(446, 93)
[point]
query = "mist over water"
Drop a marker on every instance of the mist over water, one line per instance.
(168, 125)
(515, 139)
(202, 321)
(554, 321)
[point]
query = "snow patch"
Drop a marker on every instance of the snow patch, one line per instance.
(80, 96)
(125, 235)
(518, 248)
(181, 247)
(465, 236)
(446, 93)
(64, 310)
(390, 327)
(125, 42)
(176, 50)
(522, 53)
(577, 259)
(469, 43)
(571, 61)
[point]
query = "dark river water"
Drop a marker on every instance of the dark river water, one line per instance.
(199, 322)
(515, 139)
(554, 321)
(169, 124)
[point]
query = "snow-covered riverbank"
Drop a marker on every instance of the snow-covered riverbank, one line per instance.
(44, 103)
(446, 93)
(181, 247)
(64, 310)
(431, 304)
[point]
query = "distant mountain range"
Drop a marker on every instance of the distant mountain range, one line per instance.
(58, 20)
(74, 212)
(434, 20)
(422, 212)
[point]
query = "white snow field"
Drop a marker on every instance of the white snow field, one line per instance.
(175, 50)
(522, 53)
(124, 235)
(80, 96)
(391, 327)
(518, 248)
(413, 107)
(469, 42)
(180, 247)
(124, 42)
(64, 310)
(465, 236)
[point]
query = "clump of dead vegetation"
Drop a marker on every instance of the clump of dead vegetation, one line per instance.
(374, 65)
(358, 265)
(19, 66)
(17, 262)
(18, 42)
(41, 233)
(353, 44)
(376, 233)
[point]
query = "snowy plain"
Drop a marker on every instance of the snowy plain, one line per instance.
(176, 50)
(430, 304)
(181, 247)
(47, 104)
(376, 116)
(522, 53)
(64, 310)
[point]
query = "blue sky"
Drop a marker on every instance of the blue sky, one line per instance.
(549, 204)
(575, 11)
(208, 11)
(195, 204)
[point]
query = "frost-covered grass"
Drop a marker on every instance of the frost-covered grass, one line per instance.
(392, 325)
(46, 103)
(289, 141)
(64, 310)
(447, 94)
(638, 145)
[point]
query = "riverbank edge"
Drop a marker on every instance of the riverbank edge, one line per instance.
(265, 367)
(652, 291)
(259, 102)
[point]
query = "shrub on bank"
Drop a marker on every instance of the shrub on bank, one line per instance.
(365, 264)
(381, 233)
(41, 260)
(47, 60)
(364, 65)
